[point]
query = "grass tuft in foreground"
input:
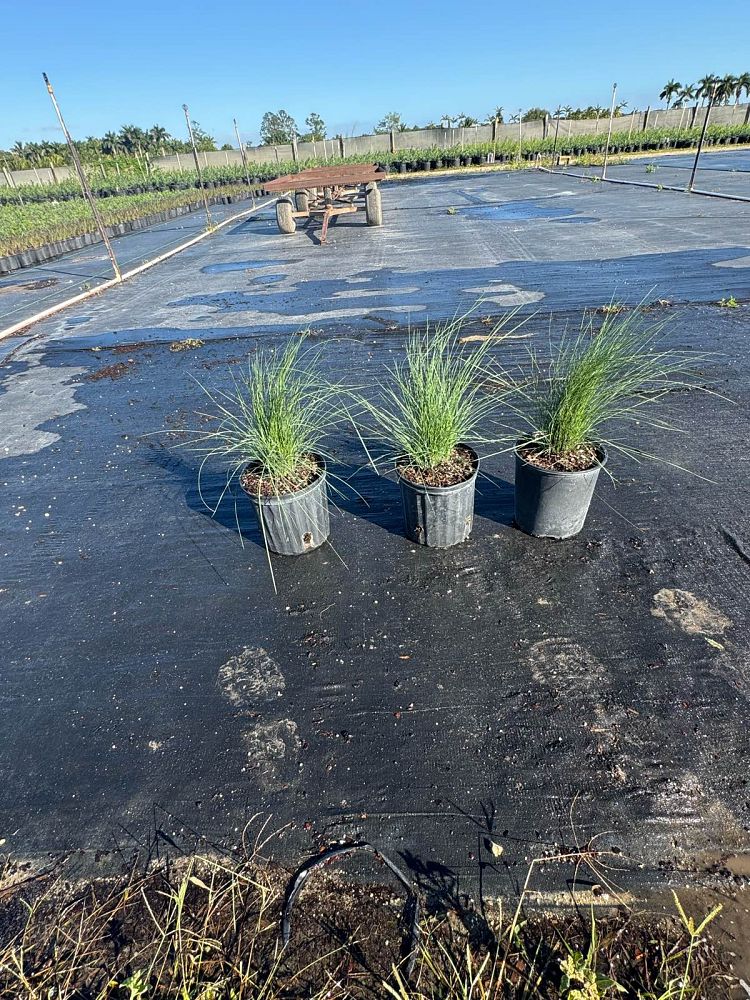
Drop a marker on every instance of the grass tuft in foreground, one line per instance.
(208, 929)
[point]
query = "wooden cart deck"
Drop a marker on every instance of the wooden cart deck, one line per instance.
(328, 192)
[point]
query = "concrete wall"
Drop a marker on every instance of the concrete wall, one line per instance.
(733, 114)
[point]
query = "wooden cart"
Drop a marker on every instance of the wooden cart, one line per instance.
(327, 192)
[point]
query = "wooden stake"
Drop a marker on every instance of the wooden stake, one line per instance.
(84, 183)
(209, 222)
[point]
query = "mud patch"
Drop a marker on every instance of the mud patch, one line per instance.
(581, 684)
(250, 677)
(565, 667)
(114, 371)
(268, 744)
(683, 802)
(29, 286)
(689, 613)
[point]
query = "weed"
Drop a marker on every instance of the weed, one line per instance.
(651, 168)
(452, 211)
(730, 303)
(207, 929)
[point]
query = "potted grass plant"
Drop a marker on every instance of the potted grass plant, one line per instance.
(565, 409)
(423, 416)
(268, 427)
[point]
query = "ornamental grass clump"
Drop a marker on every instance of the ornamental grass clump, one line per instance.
(432, 403)
(269, 425)
(592, 380)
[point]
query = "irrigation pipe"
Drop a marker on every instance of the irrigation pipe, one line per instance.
(411, 906)
(643, 184)
(112, 282)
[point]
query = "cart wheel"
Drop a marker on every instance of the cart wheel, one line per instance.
(373, 206)
(284, 218)
(302, 201)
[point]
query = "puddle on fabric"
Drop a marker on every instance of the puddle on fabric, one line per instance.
(268, 279)
(241, 265)
(523, 211)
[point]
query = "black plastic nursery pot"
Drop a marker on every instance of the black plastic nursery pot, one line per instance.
(439, 516)
(552, 504)
(294, 523)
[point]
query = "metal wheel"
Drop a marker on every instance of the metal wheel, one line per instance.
(302, 201)
(373, 206)
(284, 218)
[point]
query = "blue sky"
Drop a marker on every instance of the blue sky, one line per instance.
(136, 62)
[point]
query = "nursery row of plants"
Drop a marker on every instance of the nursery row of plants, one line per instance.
(131, 182)
(26, 227)
(135, 181)
(432, 415)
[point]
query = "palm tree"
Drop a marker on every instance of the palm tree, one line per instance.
(705, 87)
(132, 138)
(687, 93)
(670, 92)
(567, 111)
(111, 143)
(743, 83)
(158, 135)
(726, 87)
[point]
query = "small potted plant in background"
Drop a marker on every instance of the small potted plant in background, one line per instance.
(591, 379)
(424, 414)
(269, 426)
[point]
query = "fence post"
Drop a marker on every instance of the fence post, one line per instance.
(294, 149)
(645, 119)
(700, 141)
(209, 223)
(609, 131)
(341, 146)
(393, 141)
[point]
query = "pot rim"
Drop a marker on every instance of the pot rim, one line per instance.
(441, 490)
(282, 498)
(601, 450)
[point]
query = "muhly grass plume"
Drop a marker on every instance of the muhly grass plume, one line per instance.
(435, 398)
(595, 377)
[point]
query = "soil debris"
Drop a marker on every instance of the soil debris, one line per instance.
(188, 344)
(688, 612)
(113, 371)
(249, 677)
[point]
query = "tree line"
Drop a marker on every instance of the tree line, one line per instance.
(725, 89)
(279, 127)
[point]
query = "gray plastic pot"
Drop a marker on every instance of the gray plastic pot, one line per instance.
(294, 523)
(439, 516)
(554, 504)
